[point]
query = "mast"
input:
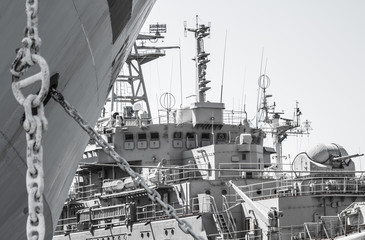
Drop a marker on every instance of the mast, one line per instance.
(129, 89)
(201, 59)
(275, 124)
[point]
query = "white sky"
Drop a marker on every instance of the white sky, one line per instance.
(315, 51)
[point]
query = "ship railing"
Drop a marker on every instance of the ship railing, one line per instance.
(184, 207)
(66, 225)
(233, 117)
(253, 170)
(165, 116)
(229, 116)
(182, 173)
(231, 200)
(226, 208)
(213, 208)
(293, 232)
(254, 234)
(82, 192)
(305, 186)
(148, 52)
(154, 211)
(205, 203)
(327, 227)
(332, 226)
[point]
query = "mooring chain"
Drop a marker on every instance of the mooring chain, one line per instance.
(34, 124)
(122, 163)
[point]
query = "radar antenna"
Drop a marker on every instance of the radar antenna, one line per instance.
(129, 86)
(274, 123)
(201, 59)
(167, 101)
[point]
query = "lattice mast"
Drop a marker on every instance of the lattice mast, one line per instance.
(129, 87)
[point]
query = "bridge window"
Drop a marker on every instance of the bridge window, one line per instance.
(190, 135)
(129, 143)
(142, 141)
(206, 136)
(155, 135)
(128, 136)
(142, 136)
(155, 142)
(205, 141)
(190, 140)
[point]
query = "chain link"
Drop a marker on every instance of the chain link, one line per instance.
(34, 124)
(123, 163)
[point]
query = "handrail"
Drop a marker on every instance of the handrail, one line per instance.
(83, 186)
(231, 117)
(305, 186)
(243, 233)
(76, 193)
(219, 224)
(226, 209)
(66, 221)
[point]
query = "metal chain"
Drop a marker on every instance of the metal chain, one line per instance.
(122, 163)
(34, 124)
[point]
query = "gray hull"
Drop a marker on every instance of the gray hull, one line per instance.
(86, 42)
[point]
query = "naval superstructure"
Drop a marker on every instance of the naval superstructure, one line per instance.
(213, 169)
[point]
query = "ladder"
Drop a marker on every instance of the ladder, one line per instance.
(224, 230)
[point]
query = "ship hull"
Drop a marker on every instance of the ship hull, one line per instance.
(83, 43)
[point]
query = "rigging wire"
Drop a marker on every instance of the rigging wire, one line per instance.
(258, 102)
(243, 100)
(172, 68)
(181, 79)
(224, 61)
(159, 86)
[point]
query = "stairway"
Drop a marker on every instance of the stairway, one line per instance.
(222, 226)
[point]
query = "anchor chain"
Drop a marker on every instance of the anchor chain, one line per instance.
(122, 163)
(34, 123)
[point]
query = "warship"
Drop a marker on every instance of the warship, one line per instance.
(211, 165)
(85, 44)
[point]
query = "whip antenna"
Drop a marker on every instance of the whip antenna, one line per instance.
(224, 61)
